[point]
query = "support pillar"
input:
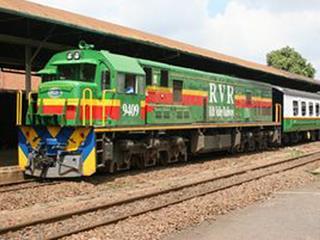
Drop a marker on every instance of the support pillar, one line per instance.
(28, 70)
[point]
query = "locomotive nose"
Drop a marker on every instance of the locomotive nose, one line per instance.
(56, 90)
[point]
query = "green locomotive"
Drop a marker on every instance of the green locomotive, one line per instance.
(98, 110)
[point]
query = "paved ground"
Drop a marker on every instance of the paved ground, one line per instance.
(293, 215)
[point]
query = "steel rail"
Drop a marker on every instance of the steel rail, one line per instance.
(67, 214)
(18, 182)
(16, 188)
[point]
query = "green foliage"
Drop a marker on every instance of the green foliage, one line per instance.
(290, 60)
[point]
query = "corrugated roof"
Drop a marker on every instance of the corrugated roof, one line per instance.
(297, 93)
(25, 8)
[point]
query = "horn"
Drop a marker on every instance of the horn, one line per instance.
(84, 45)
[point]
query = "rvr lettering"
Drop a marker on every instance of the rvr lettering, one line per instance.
(223, 92)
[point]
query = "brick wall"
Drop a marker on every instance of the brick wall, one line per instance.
(15, 81)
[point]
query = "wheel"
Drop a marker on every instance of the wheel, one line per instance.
(164, 158)
(111, 167)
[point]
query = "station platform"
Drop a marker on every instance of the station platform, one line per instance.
(8, 157)
(293, 215)
(9, 170)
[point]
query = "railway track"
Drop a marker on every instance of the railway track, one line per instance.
(151, 201)
(24, 184)
(15, 182)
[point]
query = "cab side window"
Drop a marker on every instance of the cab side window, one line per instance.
(303, 108)
(295, 106)
(105, 80)
(126, 83)
(317, 109)
(130, 83)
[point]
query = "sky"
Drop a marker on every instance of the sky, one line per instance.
(247, 29)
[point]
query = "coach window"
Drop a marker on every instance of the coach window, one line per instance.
(311, 109)
(164, 81)
(148, 72)
(295, 105)
(303, 108)
(317, 109)
(177, 91)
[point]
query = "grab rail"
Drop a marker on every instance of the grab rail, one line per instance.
(84, 93)
(30, 97)
(278, 113)
(19, 108)
(104, 92)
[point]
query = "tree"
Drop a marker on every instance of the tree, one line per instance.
(290, 60)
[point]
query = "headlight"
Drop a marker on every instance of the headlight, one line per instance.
(76, 55)
(69, 55)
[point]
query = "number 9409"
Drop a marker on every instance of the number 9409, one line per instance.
(131, 110)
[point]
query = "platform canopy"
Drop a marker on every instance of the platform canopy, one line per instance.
(30, 33)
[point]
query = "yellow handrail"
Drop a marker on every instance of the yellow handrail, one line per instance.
(84, 93)
(104, 92)
(19, 107)
(278, 113)
(30, 97)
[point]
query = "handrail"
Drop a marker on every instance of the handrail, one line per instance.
(30, 97)
(104, 92)
(278, 113)
(84, 93)
(19, 107)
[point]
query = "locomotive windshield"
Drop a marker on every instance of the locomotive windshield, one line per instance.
(79, 72)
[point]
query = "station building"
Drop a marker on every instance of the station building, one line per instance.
(31, 33)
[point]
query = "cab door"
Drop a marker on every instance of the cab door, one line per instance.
(131, 97)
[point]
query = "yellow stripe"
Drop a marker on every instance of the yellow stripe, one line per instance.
(194, 92)
(143, 104)
(76, 139)
(258, 99)
(159, 89)
(23, 160)
(53, 131)
(240, 97)
(75, 101)
(89, 165)
(184, 91)
(106, 102)
(31, 136)
(302, 118)
(112, 102)
(52, 101)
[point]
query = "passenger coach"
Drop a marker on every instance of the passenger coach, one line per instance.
(301, 114)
